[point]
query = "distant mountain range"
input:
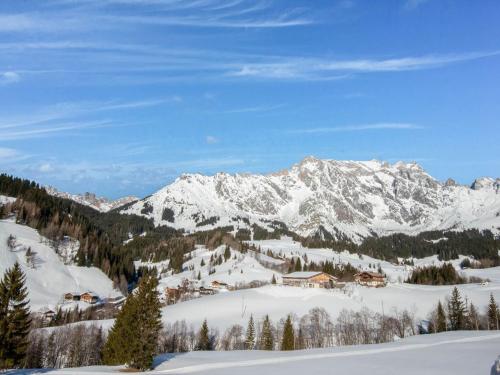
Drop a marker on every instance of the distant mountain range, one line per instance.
(346, 198)
(89, 199)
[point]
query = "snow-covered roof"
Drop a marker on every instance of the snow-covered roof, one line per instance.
(301, 275)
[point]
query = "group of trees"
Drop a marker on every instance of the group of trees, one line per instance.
(457, 314)
(439, 275)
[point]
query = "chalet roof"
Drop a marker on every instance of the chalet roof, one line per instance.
(92, 294)
(304, 275)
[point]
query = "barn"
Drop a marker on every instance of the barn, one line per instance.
(310, 279)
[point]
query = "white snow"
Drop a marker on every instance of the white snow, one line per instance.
(450, 353)
(51, 278)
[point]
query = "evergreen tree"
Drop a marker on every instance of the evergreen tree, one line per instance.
(493, 314)
(298, 265)
(250, 336)
(227, 253)
(134, 336)
(273, 280)
(440, 318)
(267, 339)
(288, 341)
(204, 342)
(473, 318)
(14, 318)
(456, 311)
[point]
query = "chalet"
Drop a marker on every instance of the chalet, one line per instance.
(310, 279)
(220, 285)
(370, 279)
(72, 296)
(47, 314)
(89, 297)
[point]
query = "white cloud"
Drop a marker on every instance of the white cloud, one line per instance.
(413, 4)
(354, 128)
(9, 77)
(7, 153)
(210, 139)
(45, 168)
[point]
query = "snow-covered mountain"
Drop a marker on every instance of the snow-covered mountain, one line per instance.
(89, 199)
(351, 197)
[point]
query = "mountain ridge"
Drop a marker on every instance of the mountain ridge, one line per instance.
(348, 198)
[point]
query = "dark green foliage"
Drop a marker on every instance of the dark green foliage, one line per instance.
(168, 215)
(456, 311)
(493, 314)
(210, 221)
(440, 325)
(250, 335)
(204, 341)
(434, 275)
(227, 253)
(479, 244)
(14, 318)
(298, 265)
(147, 209)
(243, 235)
(134, 337)
(288, 341)
(465, 263)
(267, 338)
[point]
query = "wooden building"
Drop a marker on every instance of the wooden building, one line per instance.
(72, 296)
(173, 295)
(220, 285)
(370, 279)
(89, 297)
(310, 279)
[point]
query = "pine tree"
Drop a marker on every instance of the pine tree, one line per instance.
(227, 253)
(288, 341)
(15, 319)
(473, 318)
(267, 339)
(204, 342)
(456, 311)
(273, 280)
(440, 318)
(298, 265)
(134, 336)
(493, 314)
(250, 336)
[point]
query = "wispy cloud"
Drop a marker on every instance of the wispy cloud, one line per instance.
(9, 77)
(357, 128)
(53, 129)
(210, 139)
(263, 108)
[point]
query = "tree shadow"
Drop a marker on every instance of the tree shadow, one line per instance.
(162, 358)
(30, 371)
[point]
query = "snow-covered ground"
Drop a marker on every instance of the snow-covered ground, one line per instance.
(453, 353)
(50, 278)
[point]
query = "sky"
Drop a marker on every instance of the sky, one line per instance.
(120, 97)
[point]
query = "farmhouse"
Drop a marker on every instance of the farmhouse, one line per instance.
(89, 297)
(370, 279)
(220, 285)
(310, 279)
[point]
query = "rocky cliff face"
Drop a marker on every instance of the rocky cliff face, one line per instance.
(344, 197)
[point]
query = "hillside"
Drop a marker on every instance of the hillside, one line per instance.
(347, 198)
(48, 277)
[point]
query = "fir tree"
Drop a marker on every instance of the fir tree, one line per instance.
(202, 263)
(493, 314)
(134, 336)
(267, 339)
(204, 342)
(440, 318)
(250, 335)
(288, 341)
(14, 318)
(227, 253)
(473, 318)
(298, 265)
(273, 280)
(456, 311)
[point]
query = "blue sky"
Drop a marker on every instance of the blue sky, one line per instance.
(121, 96)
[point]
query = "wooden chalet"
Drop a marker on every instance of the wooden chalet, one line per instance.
(220, 285)
(89, 297)
(206, 291)
(310, 279)
(367, 278)
(173, 295)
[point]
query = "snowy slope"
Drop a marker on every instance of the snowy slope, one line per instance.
(89, 199)
(51, 278)
(449, 353)
(351, 197)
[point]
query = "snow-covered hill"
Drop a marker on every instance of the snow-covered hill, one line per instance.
(89, 199)
(48, 278)
(447, 353)
(350, 197)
